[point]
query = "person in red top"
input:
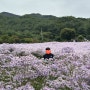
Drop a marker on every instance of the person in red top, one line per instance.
(48, 54)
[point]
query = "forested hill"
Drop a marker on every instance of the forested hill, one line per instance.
(32, 28)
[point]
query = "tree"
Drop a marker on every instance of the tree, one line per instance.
(27, 28)
(67, 34)
(80, 38)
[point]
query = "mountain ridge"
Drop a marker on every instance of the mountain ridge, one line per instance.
(7, 14)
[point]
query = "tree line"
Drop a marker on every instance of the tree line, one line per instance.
(32, 28)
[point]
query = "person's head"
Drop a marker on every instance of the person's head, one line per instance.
(48, 51)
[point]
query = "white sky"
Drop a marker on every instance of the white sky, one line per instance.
(59, 8)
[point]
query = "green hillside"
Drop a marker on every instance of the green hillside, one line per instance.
(32, 28)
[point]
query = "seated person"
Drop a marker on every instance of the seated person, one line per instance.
(48, 54)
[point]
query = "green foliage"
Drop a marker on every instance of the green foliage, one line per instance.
(80, 38)
(67, 34)
(27, 28)
(38, 82)
(65, 88)
(52, 77)
(38, 54)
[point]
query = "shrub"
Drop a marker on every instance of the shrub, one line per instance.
(67, 34)
(38, 54)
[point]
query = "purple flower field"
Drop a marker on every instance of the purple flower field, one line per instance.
(23, 68)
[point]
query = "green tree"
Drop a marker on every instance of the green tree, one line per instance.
(27, 28)
(80, 38)
(28, 40)
(1, 41)
(14, 39)
(67, 34)
(5, 38)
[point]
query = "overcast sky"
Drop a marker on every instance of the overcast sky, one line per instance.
(59, 8)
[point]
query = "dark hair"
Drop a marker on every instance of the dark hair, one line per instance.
(47, 48)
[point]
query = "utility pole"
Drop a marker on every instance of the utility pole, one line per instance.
(41, 35)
